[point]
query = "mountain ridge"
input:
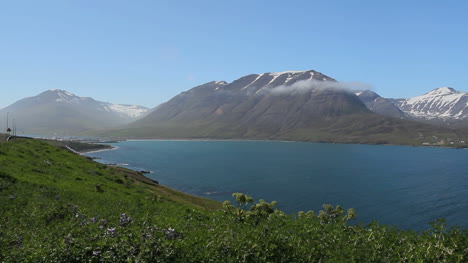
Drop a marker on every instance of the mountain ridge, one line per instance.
(290, 105)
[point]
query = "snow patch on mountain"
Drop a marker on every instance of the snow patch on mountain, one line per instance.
(258, 77)
(133, 111)
(285, 72)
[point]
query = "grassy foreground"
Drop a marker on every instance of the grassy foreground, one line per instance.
(56, 206)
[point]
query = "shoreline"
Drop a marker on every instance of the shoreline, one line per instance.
(95, 151)
(266, 140)
(208, 140)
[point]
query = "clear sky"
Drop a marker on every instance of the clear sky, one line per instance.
(145, 52)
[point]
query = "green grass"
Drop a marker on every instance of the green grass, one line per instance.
(56, 206)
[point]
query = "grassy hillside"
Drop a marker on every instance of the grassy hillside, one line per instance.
(56, 206)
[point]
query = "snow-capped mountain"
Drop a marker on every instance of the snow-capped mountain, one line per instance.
(61, 112)
(439, 106)
(277, 99)
(257, 83)
(63, 96)
(442, 103)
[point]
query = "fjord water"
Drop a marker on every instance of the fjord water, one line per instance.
(404, 186)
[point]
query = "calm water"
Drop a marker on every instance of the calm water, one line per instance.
(405, 186)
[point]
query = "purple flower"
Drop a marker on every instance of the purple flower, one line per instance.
(93, 220)
(111, 231)
(171, 233)
(19, 241)
(124, 219)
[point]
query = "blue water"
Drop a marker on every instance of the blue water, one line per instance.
(404, 186)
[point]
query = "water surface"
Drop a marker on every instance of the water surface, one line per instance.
(405, 186)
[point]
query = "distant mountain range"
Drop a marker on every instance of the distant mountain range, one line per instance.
(63, 113)
(437, 106)
(290, 105)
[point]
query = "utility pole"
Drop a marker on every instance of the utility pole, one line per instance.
(6, 128)
(14, 129)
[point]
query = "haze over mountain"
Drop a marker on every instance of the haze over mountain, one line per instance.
(61, 112)
(290, 105)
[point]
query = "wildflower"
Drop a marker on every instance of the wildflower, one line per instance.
(111, 231)
(171, 233)
(57, 197)
(84, 222)
(93, 220)
(124, 219)
(12, 197)
(146, 236)
(19, 241)
(96, 253)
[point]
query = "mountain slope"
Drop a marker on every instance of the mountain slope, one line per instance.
(259, 104)
(291, 105)
(61, 112)
(380, 105)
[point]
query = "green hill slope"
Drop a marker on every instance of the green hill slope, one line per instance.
(56, 206)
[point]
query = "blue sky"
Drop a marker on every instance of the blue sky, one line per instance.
(145, 52)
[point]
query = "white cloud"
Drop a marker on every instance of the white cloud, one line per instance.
(308, 85)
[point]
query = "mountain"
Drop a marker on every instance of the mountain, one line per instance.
(290, 105)
(380, 105)
(439, 104)
(443, 106)
(61, 112)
